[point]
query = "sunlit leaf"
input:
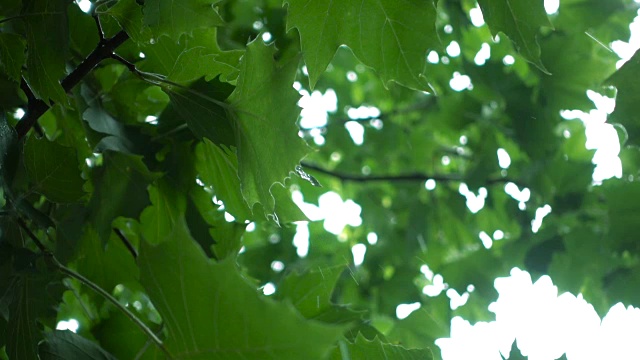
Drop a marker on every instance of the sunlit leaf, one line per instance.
(376, 349)
(520, 21)
(218, 167)
(310, 292)
(627, 98)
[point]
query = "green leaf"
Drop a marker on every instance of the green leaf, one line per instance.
(588, 65)
(116, 335)
(68, 345)
(120, 190)
(393, 37)
(175, 18)
(218, 167)
(46, 49)
(128, 14)
(425, 325)
(623, 213)
(106, 266)
(310, 292)
(197, 62)
(8, 141)
(34, 301)
(228, 239)
(192, 58)
(627, 98)
(158, 219)
(520, 21)
(376, 349)
(201, 108)
(265, 113)
(53, 170)
(100, 121)
(12, 55)
(210, 311)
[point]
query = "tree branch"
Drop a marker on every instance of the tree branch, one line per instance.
(37, 107)
(414, 176)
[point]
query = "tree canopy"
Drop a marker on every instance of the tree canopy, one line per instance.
(157, 172)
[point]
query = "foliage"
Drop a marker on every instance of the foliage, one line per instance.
(150, 152)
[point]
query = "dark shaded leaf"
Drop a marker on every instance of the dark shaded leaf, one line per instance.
(120, 190)
(65, 345)
(46, 49)
(12, 55)
(53, 170)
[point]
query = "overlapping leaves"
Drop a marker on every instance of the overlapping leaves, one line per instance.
(229, 131)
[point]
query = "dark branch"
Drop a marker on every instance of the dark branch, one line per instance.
(37, 107)
(415, 176)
